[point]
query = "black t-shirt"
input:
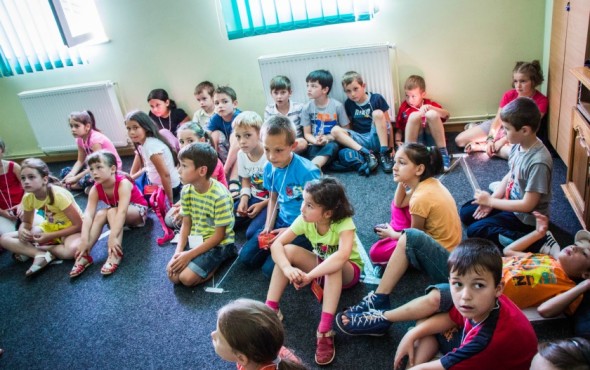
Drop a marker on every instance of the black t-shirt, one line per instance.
(171, 123)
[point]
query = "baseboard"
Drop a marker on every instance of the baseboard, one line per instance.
(66, 156)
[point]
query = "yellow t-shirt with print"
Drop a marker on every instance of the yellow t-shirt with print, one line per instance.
(53, 213)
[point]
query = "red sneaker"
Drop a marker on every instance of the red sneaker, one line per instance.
(325, 351)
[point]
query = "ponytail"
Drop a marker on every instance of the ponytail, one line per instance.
(429, 156)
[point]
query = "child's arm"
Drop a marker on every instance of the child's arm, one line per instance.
(73, 176)
(124, 190)
(443, 113)
(72, 214)
(271, 212)
(136, 169)
(494, 127)
(244, 197)
(433, 325)
(185, 230)
(517, 247)
(560, 303)
(309, 136)
(158, 161)
(277, 250)
(24, 230)
(525, 205)
(402, 198)
(87, 222)
(336, 261)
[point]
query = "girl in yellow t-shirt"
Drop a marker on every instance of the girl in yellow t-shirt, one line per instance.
(58, 236)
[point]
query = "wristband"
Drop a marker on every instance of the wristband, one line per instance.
(490, 137)
(246, 191)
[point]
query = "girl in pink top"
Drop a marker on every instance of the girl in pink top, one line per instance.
(489, 136)
(89, 140)
(126, 206)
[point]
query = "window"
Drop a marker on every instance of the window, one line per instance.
(35, 34)
(244, 18)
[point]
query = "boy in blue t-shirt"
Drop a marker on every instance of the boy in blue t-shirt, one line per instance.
(285, 175)
(319, 116)
(370, 123)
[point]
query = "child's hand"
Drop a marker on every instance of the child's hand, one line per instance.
(542, 222)
(405, 348)
(483, 198)
(82, 249)
(42, 238)
(179, 263)
(25, 235)
(176, 216)
(69, 180)
(293, 274)
(255, 209)
(425, 108)
(243, 207)
(303, 281)
(321, 140)
(482, 212)
(114, 248)
(386, 232)
(490, 148)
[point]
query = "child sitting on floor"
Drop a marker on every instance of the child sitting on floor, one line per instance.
(207, 219)
(335, 263)
(204, 95)
(166, 115)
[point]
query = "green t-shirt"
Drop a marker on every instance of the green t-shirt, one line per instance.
(325, 245)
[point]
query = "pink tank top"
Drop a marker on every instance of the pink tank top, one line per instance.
(11, 190)
(136, 196)
(105, 143)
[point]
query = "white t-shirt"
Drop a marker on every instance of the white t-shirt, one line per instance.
(154, 146)
(253, 171)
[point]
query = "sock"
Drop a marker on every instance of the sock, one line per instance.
(383, 149)
(443, 151)
(326, 322)
(272, 304)
(364, 150)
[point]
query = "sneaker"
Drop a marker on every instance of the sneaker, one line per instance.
(325, 351)
(365, 323)
(370, 164)
(493, 186)
(550, 247)
(371, 302)
(386, 161)
(446, 159)
(378, 270)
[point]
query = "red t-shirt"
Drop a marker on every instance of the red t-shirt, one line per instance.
(11, 190)
(540, 99)
(406, 109)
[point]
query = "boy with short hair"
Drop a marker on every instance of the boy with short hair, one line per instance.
(285, 176)
(525, 188)
(319, 116)
(204, 94)
(280, 89)
(207, 219)
(369, 120)
(417, 112)
(495, 332)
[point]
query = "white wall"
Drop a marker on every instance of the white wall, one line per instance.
(464, 48)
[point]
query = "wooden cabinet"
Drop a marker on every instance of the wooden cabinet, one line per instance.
(569, 48)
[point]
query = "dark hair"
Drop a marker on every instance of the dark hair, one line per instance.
(161, 94)
(532, 70)
(43, 170)
(567, 354)
(280, 83)
(227, 91)
(205, 86)
(85, 117)
(252, 328)
(103, 156)
(202, 154)
(279, 125)
(321, 76)
(522, 112)
(429, 156)
(415, 81)
(330, 194)
(351, 76)
(196, 128)
(477, 255)
(150, 130)
(2, 145)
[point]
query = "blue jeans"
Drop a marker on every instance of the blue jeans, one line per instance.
(254, 224)
(427, 255)
(494, 224)
(254, 257)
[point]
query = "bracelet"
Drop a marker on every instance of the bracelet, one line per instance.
(246, 191)
(490, 137)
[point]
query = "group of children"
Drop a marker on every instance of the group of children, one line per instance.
(300, 229)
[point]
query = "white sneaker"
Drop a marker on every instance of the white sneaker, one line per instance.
(493, 186)
(175, 239)
(550, 247)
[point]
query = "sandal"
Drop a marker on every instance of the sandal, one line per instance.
(45, 259)
(20, 257)
(234, 190)
(325, 351)
(474, 147)
(110, 267)
(81, 264)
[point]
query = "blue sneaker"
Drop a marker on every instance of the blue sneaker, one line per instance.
(365, 323)
(446, 159)
(371, 302)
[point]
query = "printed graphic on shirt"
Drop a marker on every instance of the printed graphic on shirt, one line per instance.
(323, 122)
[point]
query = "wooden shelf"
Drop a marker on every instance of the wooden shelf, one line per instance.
(582, 74)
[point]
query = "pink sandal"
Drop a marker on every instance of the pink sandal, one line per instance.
(81, 265)
(110, 267)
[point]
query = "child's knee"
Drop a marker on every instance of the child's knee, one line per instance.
(188, 278)
(415, 117)
(378, 117)
(338, 131)
(301, 145)
(433, 116)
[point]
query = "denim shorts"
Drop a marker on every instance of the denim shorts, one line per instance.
(204, 264)
(369, 140)
(329, 150)
(450, 339)
(426, 254)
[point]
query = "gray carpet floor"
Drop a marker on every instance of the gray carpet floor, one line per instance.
(137, 319)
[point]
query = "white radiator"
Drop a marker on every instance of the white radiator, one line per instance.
(48, 111)
(374, 62)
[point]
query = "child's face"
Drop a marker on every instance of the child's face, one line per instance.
(523, 84)
(159, 107)
(189, 174)
(224, 106)
(247, 137)
(356, 92)
(32, 180)
(415, 96)
(575, 260)
(514, 136)
(311, 211)
(101, 172)
(186, 137)
(79, 129)
(135, 132)
(221, 346)
(315, 90)
(404, 170)
(277, 151)
(474, 295)
(205, 101)
(281, 96)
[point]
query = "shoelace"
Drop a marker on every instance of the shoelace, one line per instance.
(367, 318)
(368, 303)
